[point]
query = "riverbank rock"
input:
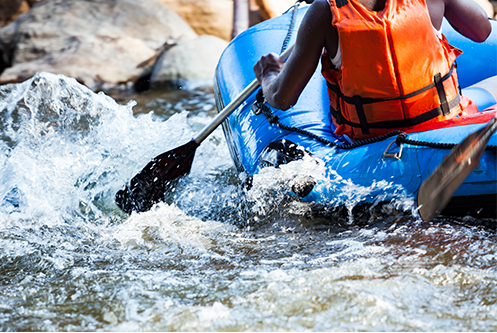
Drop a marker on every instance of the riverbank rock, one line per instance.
(206, 17)
(487, 6)
(103, 44)
(11, 9)
(215, 17)
(189, 62)
(273, 8)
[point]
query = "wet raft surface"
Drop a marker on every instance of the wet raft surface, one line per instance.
(213, 256)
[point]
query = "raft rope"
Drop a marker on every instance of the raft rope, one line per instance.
(401, 136)
(288, 36)
(292, 26)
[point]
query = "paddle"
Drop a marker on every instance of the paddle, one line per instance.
(437, 190)
(149, 185)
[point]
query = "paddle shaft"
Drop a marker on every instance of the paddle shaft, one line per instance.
(149, 185)
(207, 130)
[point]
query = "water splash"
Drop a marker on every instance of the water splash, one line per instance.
(71, 260)
(332, 196)
(60, 138)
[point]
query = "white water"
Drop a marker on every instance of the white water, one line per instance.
(213, 256)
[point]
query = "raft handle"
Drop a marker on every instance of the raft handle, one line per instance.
(256, 108)
(396, 155)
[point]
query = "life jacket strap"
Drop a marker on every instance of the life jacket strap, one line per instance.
(441, 94)
(359, 101)
(392, 124)
(361, 114)
(341, 3)
(370, 100)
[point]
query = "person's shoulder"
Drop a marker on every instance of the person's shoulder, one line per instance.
(319, 9)
(320, 4)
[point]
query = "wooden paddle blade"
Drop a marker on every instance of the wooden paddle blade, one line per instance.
(149, 185)
(437, 190)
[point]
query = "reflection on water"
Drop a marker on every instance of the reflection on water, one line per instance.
(213, 256)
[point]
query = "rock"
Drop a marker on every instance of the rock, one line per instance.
(11, 9)
(215, 17)
(8, 8)
(100, 43)
(272, 8)
(189, 61)
(206, 17)
(487, 6)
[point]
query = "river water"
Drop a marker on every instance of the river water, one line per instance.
(213, 257)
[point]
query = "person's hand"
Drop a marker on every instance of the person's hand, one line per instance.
(267, 67)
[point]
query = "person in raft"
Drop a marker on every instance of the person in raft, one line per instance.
(386, 63)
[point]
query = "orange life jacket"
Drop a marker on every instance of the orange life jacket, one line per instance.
(396, 73)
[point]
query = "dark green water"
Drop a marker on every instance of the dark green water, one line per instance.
(213, 257)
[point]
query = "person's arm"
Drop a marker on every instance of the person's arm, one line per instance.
(468, 18)
(282, 85)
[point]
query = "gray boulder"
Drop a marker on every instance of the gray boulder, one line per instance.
(104, 44)
(189, 63)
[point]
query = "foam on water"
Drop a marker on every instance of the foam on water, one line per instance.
(71, 260)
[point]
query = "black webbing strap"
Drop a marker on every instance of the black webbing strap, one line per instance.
(360, 113)
(369, 100)
(359, 101)
(402, 123)
(401, 136)
(441, 94)
(341, 3)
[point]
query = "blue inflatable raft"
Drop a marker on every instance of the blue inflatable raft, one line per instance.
(255, 142)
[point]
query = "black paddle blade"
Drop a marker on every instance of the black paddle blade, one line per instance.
(148, 187)
(437, 190)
